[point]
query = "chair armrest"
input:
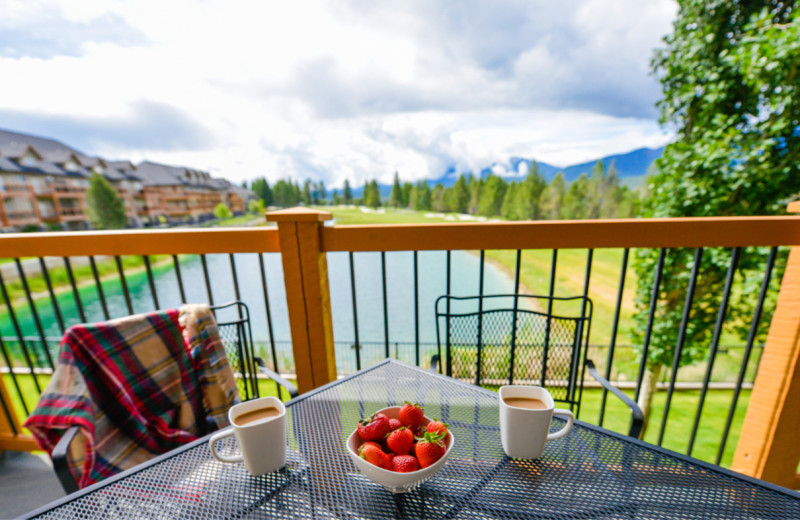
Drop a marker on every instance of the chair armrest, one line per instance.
(262, 367)
(637, 417)
(435, 363)
(60, 463)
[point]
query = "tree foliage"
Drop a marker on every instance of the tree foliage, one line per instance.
(105, 207)
(729, 73)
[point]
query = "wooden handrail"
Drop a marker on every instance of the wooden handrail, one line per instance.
(578, 234)
(141, 242)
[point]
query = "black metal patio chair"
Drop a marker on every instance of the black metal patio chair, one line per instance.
(501, 339)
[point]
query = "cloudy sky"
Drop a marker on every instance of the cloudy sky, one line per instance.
(334, 89)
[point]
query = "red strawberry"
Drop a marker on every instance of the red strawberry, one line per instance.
(373, 429)
(411, 415)
(400, 441)
(372, 443)
(404, 464)
(437, 427)
(373, 455)
(394, 424)
(430, 449)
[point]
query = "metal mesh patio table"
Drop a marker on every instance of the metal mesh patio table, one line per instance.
(590, 473)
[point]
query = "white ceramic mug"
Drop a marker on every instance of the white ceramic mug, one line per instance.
(525, 431)
(262, 442)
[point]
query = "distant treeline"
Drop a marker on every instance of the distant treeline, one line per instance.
(597, 194)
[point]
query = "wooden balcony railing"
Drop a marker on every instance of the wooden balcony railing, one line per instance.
(767, 446)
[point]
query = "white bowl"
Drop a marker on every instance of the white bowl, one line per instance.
(392, 480)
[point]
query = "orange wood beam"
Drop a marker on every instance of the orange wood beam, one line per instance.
(17, 443)
(578, 234)
(768, 444)
(305, 274)
(140, 242)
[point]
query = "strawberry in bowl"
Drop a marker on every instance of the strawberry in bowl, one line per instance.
(407, 455)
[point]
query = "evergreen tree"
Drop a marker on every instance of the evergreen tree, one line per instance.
(459, 196)
(396, 198)
(105, 207)
(510, 208)
(475, 187)
(529, 199)
(307, 200)
(261, 188)
(575, 206)
(553, 198)
(491, 197)
(407, 194)
(372, 195)
(439, 199)
(348, 193)
(335, 198)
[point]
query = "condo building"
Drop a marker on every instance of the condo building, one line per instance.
(43, 185)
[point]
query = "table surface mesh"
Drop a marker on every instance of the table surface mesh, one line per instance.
(586, 474)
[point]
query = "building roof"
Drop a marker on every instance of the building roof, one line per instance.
(15, 144)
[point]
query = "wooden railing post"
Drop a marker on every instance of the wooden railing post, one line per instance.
(769, 446)
(305, 274)
(11, 436)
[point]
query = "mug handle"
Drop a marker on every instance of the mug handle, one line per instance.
(563, 431)
(220, 457)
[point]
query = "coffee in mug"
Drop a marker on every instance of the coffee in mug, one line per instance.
(525, 415)
(260, 430)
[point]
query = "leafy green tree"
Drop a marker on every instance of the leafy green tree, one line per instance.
(221, 211)
(105, 207)
(729, 77)
(256, 206)
(529, 198)
(475, 190)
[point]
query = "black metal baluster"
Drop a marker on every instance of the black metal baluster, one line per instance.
(208, 280)
(614, 328)
(650, 318)
(579, 367)
(16, 385)
(687, 307)
(176, 263)
(23, 345)
(269, 313)
(549, 314)
(151, 281)
(34, 314)
(100, 293)
(514, 319)
(449, 365)
(480, 320)
(751, 337)
(416, 307)
(355, 312)
(124, 284)
(723, 311)
(53, 298)
(385, 303)
(75, 292)
(235, 283)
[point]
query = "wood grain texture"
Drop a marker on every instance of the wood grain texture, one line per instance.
(140, 242)
(579, 234)
(769, 446)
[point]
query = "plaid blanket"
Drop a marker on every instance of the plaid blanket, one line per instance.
(134, 388)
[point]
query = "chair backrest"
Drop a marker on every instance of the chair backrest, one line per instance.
(233, 322)
(501, 339)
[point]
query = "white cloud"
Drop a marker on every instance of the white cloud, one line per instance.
(335, 90)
